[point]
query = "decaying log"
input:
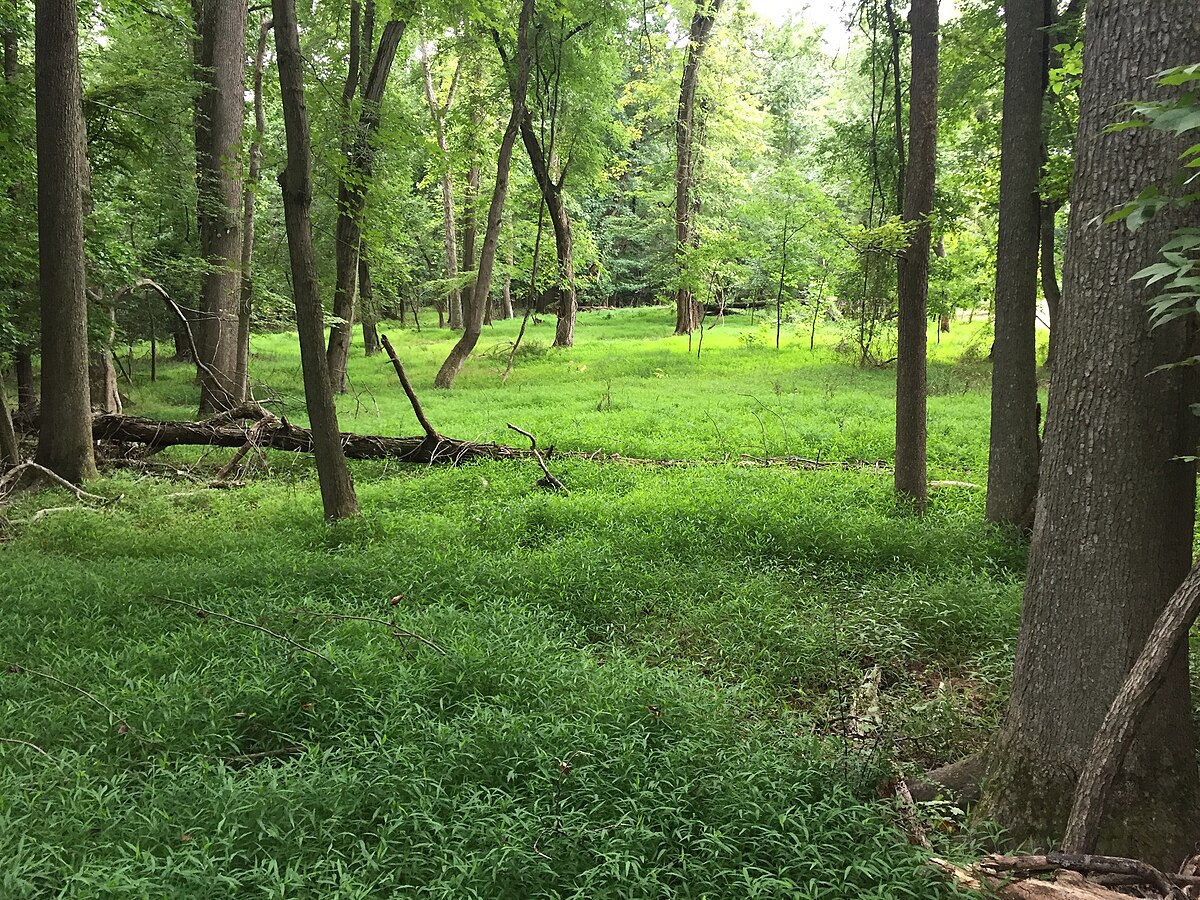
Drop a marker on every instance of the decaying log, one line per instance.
(282, 435)
(1067, 885)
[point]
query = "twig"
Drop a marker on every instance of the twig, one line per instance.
(13, 477)
(14, 667)
(397, 631)
(430, 431)
(550, 480)
(29, 744)
(267, 631)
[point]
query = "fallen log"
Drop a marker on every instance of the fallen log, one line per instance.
(282, 435)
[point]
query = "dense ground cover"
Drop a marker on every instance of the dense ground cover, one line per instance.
(645, 685)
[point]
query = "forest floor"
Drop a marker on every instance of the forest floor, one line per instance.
(649, 687)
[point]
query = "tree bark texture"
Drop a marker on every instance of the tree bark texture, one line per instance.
(438, 110)
(253, 174)
(10, 450)
(687, 315)
(65, 441)
(1014, 447)
(221, 106)
(337, 490)
(1115, 511)
(353, 188)
(491, 237)
(912, 328)
(27, 397)
(102, 370)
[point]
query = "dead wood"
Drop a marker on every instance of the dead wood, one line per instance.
(203, 613)
(1068, 885)
(430, 431)
(549, 481)
(397, 631)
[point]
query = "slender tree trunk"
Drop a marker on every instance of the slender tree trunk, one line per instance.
(246, 304)
(1013, 457)
(337, 489)
(912, 325)
(102, 370)
(687, 315)
(10, 450)
(221, 106)
(65, 437)
(347, 230)
(366, 298)
(564, 295)
(506, 305)
(897, 100)
(27, 397)
(1050, 289)
(352, 200)
(491, 238)
(1113, 534)
(438, 112)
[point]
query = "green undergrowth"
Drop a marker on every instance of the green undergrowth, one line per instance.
(648, 687)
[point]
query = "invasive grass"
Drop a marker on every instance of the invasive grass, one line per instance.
(646, 684)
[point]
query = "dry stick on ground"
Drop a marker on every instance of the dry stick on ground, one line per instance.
(29, 744)
(408, 389)
(397, 631)
(1117, 731)
(267, 631)
(251, 444)
(549, 481)
(10, 482)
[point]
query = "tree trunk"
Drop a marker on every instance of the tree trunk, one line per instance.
(27, 397)
(1013, 456)
(687, 314)
(437, 112)
(897, 100)
(564, 297)
(337, 489)
(506, 305)
(10, 450)
(491, 238)
(1050, 289)
(912, 324)
(246, 305)
(1113, 533)
(102, 371)
(352, 199)
(222, 102)
(366, 298)
(65, 441)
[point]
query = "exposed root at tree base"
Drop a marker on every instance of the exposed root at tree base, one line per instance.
(1075, 876)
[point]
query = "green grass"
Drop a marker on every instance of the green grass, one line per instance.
(646, 684)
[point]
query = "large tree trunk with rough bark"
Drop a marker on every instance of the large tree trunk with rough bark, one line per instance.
(491, 238)
(65, 441)
(246, 302)
(352, 196)
(912, 324)
(221, 105)
(687, 312)
(337, 490)
(1014, 448)
(1115, 510)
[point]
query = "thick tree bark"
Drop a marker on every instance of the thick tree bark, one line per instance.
(352, 200)
(687, 314)
(438, 110)
(1115, 511)
(1050, 288)
(337, 489)
(1014, 447)
(222, 102)
(65, 442)
(246, 304)
(491, 238)
(912, 324)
